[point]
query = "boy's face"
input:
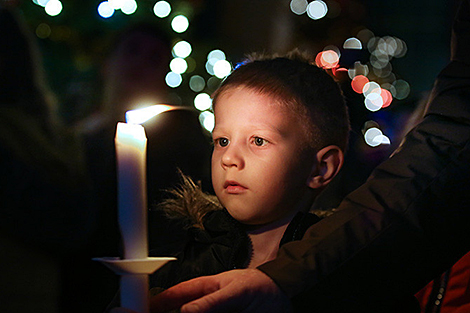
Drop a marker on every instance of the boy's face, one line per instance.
(259, 166)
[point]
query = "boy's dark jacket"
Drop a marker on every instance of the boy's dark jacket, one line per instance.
(215, 242)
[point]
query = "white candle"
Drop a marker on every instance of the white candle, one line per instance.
(131, 148)
(131, 154)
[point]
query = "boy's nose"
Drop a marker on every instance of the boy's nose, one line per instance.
(232, 157)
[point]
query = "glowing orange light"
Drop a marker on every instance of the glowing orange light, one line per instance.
(358, 83)
(387, 97)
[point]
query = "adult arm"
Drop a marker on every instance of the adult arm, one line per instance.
(408, 222)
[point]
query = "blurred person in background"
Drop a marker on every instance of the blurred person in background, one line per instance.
(46, 219)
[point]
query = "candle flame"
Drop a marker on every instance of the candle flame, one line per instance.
(140, 116)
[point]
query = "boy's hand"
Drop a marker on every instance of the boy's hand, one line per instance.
(248, 290)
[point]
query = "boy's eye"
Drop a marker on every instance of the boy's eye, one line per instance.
(223, 142)
(259, 141)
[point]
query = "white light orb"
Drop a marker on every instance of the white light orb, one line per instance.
(173, 79)
(372, 136)
(116, 4)
(222, 68)
(317, 9)
(180, 24)
(53, 7)
(129, 7)
(162, 9)
(216, 55)
(105, 10)
(373, 102)
(42, 2)
(207, 120)
(182, 49)
(210, 66)
(203, 102)
(178, 65)
(371, 87)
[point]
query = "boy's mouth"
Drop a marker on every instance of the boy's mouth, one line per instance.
(233, 187)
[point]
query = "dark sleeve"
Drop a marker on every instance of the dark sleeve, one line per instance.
(409, 221)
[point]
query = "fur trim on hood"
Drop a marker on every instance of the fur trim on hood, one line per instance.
(188, 203)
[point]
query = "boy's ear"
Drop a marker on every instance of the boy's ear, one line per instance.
(329, 161)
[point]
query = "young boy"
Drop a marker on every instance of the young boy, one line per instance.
(281, 127)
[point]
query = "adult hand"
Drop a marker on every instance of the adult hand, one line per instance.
(248, 290)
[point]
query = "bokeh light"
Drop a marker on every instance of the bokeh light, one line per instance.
(105, 10)
(213, 83)
(358, 69)
(317, 9)
(222, 68)
(180, 24)
(173, 79)
(386, 97)
(129, 7)
(216, 54)
(207, 120)
(212, 58)
(352, 43)
(402, 89)
(53, 7)
(298, 7)
(182, 49)
(203, 102)
(327, 59)
(178, 65)
(374, 137)
(42, 2)
(162, 9)
(197, 83)
(371, 87)
(373, 102)
(116, 4)
(364, 35)
(358, 83)
(43, 31)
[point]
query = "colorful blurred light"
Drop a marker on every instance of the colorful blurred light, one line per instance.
(371, 87)
(327, 59)
(373, 102)
(386, 97)
(358, 83)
